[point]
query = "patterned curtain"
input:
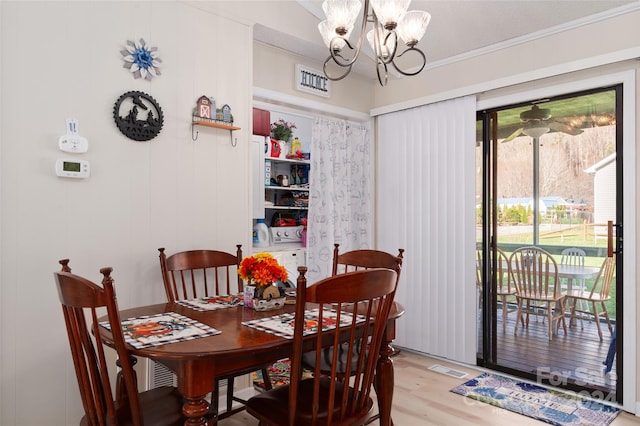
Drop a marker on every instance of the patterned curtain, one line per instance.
(341, 196)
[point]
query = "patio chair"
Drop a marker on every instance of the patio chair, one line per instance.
(599, 294)
(535, 275)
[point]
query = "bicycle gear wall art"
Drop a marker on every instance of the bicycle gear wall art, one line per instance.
(138, 116)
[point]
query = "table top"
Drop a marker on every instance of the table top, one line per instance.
(576, 271)
(235, 342)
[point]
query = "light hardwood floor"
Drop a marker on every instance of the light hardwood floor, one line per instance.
(422, 397)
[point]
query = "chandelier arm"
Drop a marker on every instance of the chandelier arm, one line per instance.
(341, 76)
(424, 62)
(349, 62)
(392, 52)
(380, 64)
(337, 56)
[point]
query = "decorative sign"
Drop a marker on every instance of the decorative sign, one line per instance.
(138, 116)
(312, 81)
(141, 59)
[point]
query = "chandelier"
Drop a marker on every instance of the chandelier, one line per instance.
(392, 26)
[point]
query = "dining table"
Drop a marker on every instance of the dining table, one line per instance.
(576, 272)
(198, 362)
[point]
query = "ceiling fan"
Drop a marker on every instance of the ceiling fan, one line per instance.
(537, 121)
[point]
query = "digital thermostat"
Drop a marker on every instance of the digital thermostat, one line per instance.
(72, 168)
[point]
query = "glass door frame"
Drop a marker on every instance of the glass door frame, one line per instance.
(487, 350)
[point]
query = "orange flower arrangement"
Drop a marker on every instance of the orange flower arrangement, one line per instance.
(262, 270)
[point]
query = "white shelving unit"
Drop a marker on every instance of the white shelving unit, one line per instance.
(271, 199)
(290, 198)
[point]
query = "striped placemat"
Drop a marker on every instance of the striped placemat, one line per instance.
(282, 325)
(213, 303)
(161, 329)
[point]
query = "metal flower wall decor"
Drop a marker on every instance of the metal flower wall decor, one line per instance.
(141, 59)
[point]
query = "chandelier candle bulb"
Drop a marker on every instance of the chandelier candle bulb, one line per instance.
(389, 12)
(413, 25)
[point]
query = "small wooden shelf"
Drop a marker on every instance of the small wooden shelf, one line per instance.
(286, 188)
(207, 122)
(216, 124)
(287, 160)
(285, 208)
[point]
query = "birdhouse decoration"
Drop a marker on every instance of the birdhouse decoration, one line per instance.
(226, 114)
(204, 107)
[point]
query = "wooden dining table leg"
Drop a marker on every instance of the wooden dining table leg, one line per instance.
(195, 409)
(384, 381)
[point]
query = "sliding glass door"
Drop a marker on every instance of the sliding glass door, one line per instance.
(548, 175)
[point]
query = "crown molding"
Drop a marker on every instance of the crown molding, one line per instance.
(546, 32)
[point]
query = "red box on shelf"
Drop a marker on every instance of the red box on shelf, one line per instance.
(261, 122)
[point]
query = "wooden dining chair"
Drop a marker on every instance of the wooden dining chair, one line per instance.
(203, 273)
(365, 259)
(81, 299)
(356, 260)
(535, 275)
(325, 399)
(200, 273)
(599, 294)
(120, 385)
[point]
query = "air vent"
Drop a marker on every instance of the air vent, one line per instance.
(448, 371)
(159, 375)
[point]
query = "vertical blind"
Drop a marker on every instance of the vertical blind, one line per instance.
(425, 203)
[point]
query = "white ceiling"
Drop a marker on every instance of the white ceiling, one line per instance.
(460, 28)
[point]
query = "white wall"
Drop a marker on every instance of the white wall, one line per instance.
(274, 69)
(60, 60)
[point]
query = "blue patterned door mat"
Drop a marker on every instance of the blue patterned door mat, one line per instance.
(538, 402)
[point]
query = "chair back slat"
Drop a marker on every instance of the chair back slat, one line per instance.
(327, 398)
(200, 273)
(78, 295)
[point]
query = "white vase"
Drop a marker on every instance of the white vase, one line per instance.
(284, 148)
